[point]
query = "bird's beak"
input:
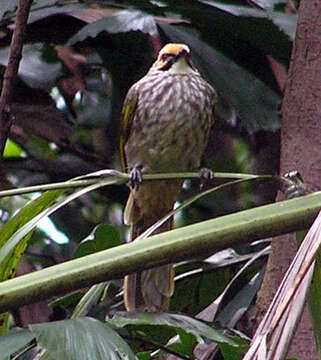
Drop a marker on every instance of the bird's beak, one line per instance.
(182, 53)
(187, 56)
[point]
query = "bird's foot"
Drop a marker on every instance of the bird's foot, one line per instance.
(292, 185)
(136, 177)
(206, 175)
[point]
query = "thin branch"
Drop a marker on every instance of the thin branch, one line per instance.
(10, 75)
(46, 187)
(121, 178)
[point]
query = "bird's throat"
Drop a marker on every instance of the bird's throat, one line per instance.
(180, 67)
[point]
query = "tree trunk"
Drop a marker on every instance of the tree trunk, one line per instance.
(300, 150)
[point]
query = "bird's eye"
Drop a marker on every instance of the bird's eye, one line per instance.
(166, 56)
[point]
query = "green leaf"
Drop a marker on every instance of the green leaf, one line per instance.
(238, 294)
(196, 286)
(14, 342)
(241, 301)
(193, 280)
(285, 22)
(15, 234)
(17, 231)
(255, 103)
(67, 301)
(101, 238)
(192, 326)
(186, 343)
(234, 352)
(143, 355)
(33, 70)
(91, 298)
(37, 145)
(12, 149)
(121, 22)
(4, 323)
(241, 25)
(81, 339)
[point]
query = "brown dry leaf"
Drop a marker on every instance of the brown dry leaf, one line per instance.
(279, 71)
(71, 59)
(70, 85)
(92, 15)
(162, 20)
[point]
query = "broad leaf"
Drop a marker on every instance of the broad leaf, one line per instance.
(33, 69)
(210, 283)
(7, 6)
(143, 355)
(231, 25)
(13, 241)
(16, 233)
(43, 8)
(12, 149)
(121, 22)
(12, 238)
(91, 298)
(186, 343)
(14, 342)
(20, 227)
(198, 284)
(102, 237)
(191, 326)
(233, 311)
(81, 339)
(238, 293)
(66, 301)
(234, 352)
(285, 22)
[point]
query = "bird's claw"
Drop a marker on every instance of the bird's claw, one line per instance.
(136, 178)
(292, 185)
(206, 175)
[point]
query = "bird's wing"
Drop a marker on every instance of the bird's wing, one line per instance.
(127, 117)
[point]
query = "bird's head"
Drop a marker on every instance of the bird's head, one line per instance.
(174, 58)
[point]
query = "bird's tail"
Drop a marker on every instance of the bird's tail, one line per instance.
(148, 290)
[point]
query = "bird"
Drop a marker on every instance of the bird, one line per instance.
(165, 123)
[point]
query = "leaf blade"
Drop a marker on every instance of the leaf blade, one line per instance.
(81, 339)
